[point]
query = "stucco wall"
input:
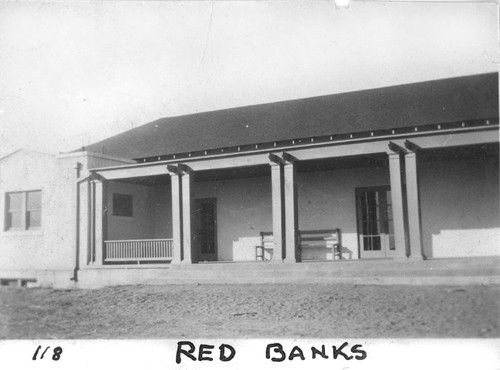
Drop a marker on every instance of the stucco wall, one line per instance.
(26, 249)
(459, 200)
(141, 224)
(161, 204)
(151, 212)
(53, 246)
(460, 208)
(243, 210)
(327, 200)
(95, 160)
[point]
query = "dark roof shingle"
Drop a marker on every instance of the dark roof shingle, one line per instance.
(439, 101)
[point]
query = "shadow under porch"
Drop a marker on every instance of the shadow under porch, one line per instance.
(232, 210)
(326, 208)
(242, 204)
(137, 221)
(229, 210)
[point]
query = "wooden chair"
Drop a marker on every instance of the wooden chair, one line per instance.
(267, 245)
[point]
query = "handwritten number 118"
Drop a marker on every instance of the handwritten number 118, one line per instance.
(56, 356)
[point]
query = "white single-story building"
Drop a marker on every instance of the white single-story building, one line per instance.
(407, 172)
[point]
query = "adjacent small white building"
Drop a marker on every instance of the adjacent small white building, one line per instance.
(39, 213)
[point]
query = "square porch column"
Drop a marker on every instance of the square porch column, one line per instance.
(176, 217)
(291, 219)
(91, 223)
(278, 210)
(187, 216)
(100, 221)
(414, 216)
(397, 204)
(84, 218)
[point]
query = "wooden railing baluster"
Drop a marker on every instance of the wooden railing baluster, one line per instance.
(138, 250)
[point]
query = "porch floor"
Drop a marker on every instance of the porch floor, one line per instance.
(446, 271)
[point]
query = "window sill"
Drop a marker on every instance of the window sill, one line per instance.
(124, 217)
(23, 232)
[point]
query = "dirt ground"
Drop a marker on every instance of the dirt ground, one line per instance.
(251, 311)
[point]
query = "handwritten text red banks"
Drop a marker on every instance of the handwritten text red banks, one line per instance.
(275, 352)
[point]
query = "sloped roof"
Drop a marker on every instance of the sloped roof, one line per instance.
(438, 101)
(24, 150)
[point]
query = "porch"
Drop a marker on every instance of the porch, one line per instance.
(232, 215)
(150, 251)
(365, 200)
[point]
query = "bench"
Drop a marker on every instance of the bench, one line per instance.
(318, 239)
(321, 239)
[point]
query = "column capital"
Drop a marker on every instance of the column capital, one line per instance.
(412, 147)
(184, 169)
(275, 159)
(394, 156)
(395, 149)
(95, 177)
(290, 159)
(173, 170)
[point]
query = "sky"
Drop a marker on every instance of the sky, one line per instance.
(73, 73)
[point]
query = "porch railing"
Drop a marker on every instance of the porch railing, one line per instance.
(138, 250)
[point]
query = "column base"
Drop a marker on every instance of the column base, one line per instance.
(400, 258)
(409, 258)
(416, 258)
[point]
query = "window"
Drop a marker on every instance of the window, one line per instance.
(23, 210)
(122, 205)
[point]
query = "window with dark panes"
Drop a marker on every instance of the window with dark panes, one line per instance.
(14, 214)
(123, 205)
(33, 209)
(23, 210)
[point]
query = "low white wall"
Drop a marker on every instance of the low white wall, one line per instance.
(327, 200)
(460, 207)
(459, 200)
(161, 204)
(151, 212)
(244, 249)
(141, 224)
(243, 210)
(48, 252)
(50, 246)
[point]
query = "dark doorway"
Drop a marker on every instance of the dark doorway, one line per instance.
(206, 229)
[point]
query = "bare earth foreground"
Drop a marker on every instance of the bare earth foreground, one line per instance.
(250, 311)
